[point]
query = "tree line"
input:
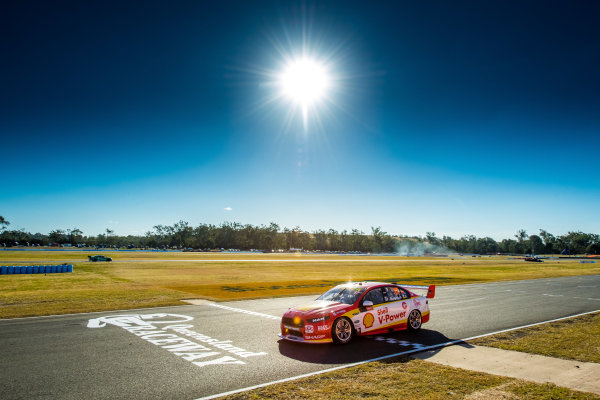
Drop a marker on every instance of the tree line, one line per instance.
(272, 237)
(542, 243)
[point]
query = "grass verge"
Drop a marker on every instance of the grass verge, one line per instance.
(571, 339)
(410, 379)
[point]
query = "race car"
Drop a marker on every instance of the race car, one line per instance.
(357, 308)
(99, 258)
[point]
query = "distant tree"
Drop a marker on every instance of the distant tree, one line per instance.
(578, 242)
(109, 234)
(594, 247)
(549, 241)
(57, 236)
(521, 235)
(377, 239)
(430, 237)
(3, 223)
(536, 244)
(74, 235)
(182, 232)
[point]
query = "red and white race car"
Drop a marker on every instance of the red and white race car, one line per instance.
(357, 308)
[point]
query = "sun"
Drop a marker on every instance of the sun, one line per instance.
(304, 81)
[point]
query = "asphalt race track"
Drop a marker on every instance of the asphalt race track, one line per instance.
(195, 351)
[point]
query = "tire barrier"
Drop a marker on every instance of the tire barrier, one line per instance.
(35, 269)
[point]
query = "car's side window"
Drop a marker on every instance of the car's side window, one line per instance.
(374, 295)
(404, 294)
(391, 293)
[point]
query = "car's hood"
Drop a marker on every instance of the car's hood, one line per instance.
(319, 307)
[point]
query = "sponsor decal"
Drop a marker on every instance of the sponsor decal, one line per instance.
(396, 291)
(384, 319)
(404, 305)
(368, 320)
(382, 311)
(171, 332)
(309, 329)
(417, 303)
(315, 337)
(320, 319)
(323, 328)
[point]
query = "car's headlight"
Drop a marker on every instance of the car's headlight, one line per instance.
(320, 319)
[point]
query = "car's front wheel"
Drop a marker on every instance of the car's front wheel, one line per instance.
(342, 331)
(414, 320)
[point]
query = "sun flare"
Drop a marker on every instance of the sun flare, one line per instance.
(304, 81)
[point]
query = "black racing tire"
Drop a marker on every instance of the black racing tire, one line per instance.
(342, 330)
(414, 321)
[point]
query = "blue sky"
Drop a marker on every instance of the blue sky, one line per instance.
(453, 117)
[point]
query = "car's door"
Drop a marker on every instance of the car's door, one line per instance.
(389, 309)
(398, 306)
(367, 316)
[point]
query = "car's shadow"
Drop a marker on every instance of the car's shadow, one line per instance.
(361, 348)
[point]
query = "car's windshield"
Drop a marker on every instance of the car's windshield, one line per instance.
(342, 294)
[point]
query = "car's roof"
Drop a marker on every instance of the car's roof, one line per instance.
(366, 284)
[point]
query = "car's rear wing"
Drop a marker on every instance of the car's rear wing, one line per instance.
(430, 289)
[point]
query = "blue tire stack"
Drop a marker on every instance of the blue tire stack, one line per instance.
(35, 269)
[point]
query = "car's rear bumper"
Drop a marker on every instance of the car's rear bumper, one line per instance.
(425, 317)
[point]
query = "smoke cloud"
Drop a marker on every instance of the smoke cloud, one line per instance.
(409, 247)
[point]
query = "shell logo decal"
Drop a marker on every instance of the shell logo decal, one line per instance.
(368, 320)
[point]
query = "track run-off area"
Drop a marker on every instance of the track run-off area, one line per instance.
(209, 349)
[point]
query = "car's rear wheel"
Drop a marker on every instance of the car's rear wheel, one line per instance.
(414, 320)
(342, 331)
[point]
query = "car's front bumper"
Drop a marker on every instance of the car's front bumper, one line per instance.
(294, 338)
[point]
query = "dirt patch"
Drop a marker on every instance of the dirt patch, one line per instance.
(494, 393)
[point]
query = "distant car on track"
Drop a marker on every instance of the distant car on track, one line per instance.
(533, 259)
(357, 308)
(99, 258)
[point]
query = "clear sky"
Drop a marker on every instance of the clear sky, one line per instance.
(461, 117)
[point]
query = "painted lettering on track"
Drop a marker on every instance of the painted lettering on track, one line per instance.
(171, 332)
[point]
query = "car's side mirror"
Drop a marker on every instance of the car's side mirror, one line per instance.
(368, 304)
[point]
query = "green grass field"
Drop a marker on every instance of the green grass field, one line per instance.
(136, 280)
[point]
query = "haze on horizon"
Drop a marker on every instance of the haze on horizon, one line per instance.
(456, 118)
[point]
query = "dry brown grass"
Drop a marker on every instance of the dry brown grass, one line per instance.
(154, 279)
(572, 339)
(414, 379)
